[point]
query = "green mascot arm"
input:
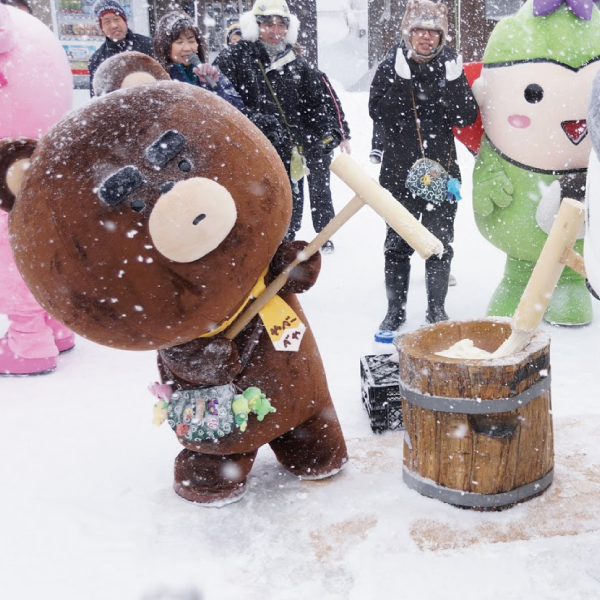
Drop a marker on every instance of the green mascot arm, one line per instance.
(491, 185)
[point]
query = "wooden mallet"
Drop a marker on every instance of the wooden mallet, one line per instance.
(556, 254)
(368, 191)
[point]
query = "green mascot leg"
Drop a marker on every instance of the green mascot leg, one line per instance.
(571, 303)
(506, 298)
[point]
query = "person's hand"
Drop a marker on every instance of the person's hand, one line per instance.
(205, 70)
(345, 146)
(401, 66)
(454, 68)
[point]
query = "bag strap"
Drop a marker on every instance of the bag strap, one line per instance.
(414, 103)
(279, 107)
(417, 122)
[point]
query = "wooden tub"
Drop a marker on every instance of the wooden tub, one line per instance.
(478, 432)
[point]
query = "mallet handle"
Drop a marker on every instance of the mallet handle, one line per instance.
(344, 215)
(549, 266)
(386, 206)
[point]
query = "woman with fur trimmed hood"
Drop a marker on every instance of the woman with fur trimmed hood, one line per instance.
(176, 40)
(280, 91)
(420, 81)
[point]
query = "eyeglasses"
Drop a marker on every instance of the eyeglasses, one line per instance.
(424, 32)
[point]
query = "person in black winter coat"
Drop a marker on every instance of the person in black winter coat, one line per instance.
(281, 92)
(321, 204)
(119, 38)
(176, 41)
(424, 71)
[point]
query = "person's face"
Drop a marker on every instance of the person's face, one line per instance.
(113, 26)
(234, 39)
(425, 41)
(272, 31)
(183, 47)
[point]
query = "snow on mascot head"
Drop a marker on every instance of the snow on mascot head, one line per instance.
(148, 229)
(592, 236)
(538, 69)
(36, 90)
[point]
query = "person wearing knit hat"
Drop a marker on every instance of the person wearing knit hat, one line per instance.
(419, 92)
(233, 34)
(537, 75)
(282, 93)
(112, 20)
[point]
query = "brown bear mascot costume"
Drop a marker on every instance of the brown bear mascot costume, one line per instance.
(149, 219)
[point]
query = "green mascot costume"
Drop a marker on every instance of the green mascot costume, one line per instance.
(537, 74)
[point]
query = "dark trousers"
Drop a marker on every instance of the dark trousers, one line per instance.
(321, 205)
(439, 221)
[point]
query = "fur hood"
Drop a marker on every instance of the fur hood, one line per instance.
(249, 28)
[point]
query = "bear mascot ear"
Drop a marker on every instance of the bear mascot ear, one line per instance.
(126, 70)
(14, 162)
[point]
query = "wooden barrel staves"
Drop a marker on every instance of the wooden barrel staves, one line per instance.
(478, 432)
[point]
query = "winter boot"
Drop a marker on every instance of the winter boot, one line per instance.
(64, 338)
(397, 274)
(436, 282)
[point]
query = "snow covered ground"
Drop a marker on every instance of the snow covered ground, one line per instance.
(88, 513)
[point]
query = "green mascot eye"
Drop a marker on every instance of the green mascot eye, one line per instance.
(534, 93)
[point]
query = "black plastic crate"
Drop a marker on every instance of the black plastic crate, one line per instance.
(380, 392)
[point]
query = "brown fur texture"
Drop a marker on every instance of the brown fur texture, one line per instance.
(113, 71)
(93, 264)
(424, 14)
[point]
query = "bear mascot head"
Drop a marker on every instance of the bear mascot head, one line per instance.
(149, 219)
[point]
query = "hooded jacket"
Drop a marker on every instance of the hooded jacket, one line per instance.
(296, 85)
(440, 105)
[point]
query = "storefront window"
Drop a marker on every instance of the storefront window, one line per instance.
(498, 9)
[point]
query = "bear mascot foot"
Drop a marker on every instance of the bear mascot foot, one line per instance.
(212, 480)
(314, 450)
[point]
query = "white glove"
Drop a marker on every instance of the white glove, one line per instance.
(454, 68)
(548, 208)
(401, 67)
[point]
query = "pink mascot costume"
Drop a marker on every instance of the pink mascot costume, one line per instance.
(35, 92)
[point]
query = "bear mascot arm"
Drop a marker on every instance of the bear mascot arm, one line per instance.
(217, 361)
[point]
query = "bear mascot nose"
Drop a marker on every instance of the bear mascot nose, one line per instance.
(192, 219)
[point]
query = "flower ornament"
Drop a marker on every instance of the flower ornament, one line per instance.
(581, 8)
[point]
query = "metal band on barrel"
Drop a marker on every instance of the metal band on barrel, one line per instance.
(429, 488)
(473, 406)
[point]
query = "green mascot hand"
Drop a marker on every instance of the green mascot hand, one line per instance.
(494, 188)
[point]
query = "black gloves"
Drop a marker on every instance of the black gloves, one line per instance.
(324, 146)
